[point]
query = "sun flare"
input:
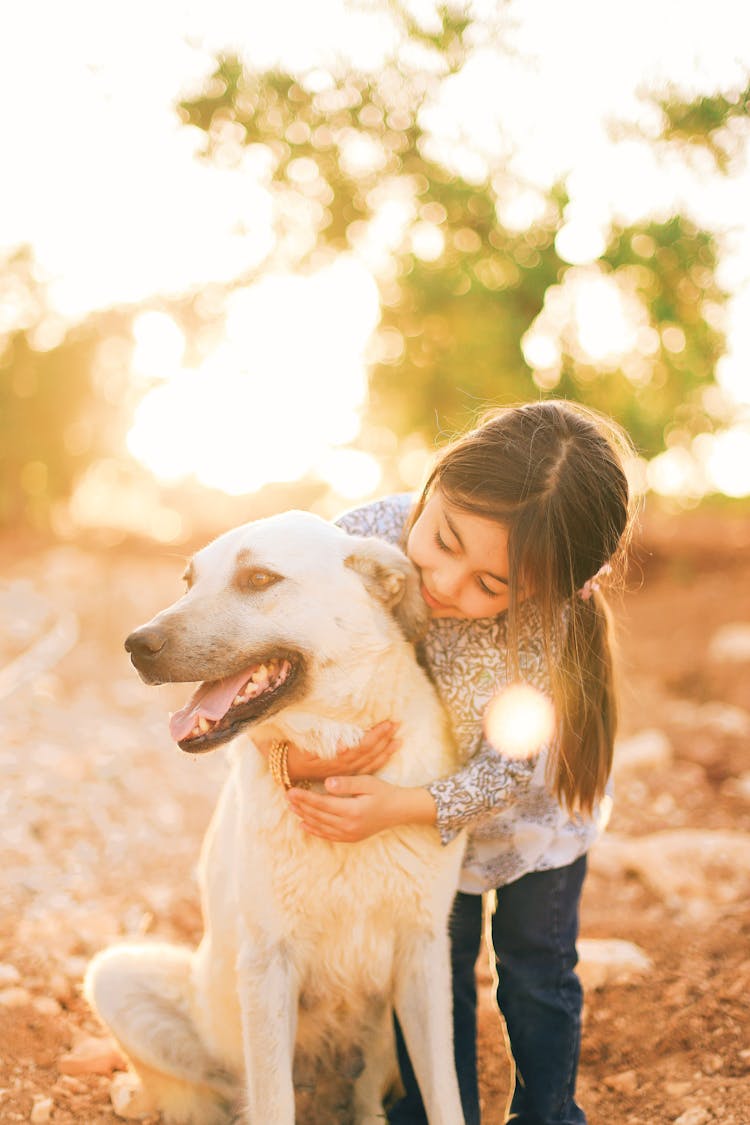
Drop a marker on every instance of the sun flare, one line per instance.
(276, 400)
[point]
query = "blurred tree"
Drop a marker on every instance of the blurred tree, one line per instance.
(712, 123)
(58, 393)
(345, 152)
(472, 311)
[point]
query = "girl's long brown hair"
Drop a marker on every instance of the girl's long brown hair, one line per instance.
(552, 473)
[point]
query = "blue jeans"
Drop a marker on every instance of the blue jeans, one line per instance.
(534, 932)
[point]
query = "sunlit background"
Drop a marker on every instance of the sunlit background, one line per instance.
(255, 255)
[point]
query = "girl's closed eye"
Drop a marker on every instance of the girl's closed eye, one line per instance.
(443, 546)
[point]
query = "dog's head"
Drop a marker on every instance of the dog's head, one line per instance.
(271, 606)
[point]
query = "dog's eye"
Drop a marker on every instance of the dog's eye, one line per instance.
(259, 579)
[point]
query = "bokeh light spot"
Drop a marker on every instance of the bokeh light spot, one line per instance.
(519, 720)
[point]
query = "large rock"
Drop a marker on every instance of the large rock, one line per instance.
(714, 717)
(687, 868)
(610, 961)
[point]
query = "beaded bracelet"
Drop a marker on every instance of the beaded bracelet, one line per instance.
(278, 763)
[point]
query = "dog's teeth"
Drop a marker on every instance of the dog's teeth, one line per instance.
(260, 675)
(239, 698)
(203, 725)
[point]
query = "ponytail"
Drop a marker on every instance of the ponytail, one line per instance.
(583, 685)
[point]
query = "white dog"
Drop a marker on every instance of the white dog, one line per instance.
(301, 633)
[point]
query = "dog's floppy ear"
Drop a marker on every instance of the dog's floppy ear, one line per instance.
(391, 578)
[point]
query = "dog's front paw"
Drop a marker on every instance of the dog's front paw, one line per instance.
(128, 1097)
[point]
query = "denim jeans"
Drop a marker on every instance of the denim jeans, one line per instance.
(534, 932)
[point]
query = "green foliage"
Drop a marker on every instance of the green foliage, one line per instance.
(337, 149)
(453, 322)
(706, 122)
(461, 320)
(672, 267)
(56, 403)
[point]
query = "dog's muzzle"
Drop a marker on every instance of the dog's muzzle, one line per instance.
(145, 643)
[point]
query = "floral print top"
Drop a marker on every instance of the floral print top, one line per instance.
(515, 824)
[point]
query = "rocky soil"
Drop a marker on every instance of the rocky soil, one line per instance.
(102, 819)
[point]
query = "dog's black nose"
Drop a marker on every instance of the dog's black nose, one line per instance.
(147, 642)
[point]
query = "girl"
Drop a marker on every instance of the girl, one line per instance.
(515, 526)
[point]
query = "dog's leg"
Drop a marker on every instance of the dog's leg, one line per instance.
(268, 995)
(143, 993)
(423, 1006)
(380, 1071)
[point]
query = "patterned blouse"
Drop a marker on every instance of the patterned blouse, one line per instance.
(515, 824)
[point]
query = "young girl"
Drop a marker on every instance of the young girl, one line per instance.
(515, 527)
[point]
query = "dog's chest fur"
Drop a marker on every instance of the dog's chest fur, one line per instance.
(340, 911)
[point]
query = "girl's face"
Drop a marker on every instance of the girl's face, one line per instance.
(462, 560)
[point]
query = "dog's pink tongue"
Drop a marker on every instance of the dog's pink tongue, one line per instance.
(211, 700)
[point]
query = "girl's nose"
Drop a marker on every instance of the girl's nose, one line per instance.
(447, 584)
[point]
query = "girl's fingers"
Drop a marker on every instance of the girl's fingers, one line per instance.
(372, 747)
(375, 736)
(330, 828)
(318, 808)
(381, 756)
(329, 817)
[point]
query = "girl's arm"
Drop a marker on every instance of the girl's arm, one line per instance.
(368, 756)
(490, 780)
(357, 807)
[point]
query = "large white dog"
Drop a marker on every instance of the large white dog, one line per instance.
(301, 633)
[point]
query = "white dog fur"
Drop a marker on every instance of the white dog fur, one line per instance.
(309, 946)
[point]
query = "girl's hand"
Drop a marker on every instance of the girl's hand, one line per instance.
(361, 807)
(369, 756)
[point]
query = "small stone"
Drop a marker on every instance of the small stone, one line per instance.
(738, 786)
(677, 1089)
(92, 1056)
(60, 987)
(76, 966)
(731, 643)
(642, 753)
(624, 1083)
(695, 1116)
(9, 974)
(41, 1110)
(70, 1085)
(128, 1097)
(14, 997)
(47, 1006)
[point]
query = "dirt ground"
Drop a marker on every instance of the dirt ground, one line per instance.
(102, 820)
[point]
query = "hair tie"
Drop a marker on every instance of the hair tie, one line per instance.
(591, 585)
